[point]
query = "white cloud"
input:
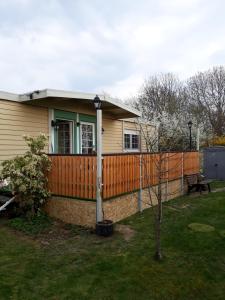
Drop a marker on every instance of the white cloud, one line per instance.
(98, 45)
(123, 89)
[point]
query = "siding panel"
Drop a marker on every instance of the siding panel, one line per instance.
(16, 120)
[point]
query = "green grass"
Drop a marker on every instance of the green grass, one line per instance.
(218, 184)
(31, 226)
(83, 266)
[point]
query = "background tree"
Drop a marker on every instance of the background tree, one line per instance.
(161, 93)
(162, 99)
(206, 94)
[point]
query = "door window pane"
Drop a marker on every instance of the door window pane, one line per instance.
(64, 136)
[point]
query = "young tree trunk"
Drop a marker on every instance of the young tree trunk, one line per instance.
(158, 216)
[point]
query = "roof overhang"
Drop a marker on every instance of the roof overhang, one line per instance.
(109, 105)
(9, 96)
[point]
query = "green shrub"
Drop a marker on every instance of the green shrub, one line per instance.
(32, 226)
(27, 176)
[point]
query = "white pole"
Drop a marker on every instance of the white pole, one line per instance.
(140, 183)
(197, 138)
(99, 216)
(7, 203)
(182, 174)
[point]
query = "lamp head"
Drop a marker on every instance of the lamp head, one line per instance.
(190, 124)
(97, 102)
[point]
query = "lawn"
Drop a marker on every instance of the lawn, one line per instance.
(68, 262)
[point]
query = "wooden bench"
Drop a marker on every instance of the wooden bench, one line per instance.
(198, 182)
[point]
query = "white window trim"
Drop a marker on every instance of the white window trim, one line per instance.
(51, 131)
(131, 132)
(80, 139)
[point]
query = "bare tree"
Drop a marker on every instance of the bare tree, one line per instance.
(161, 166)
(161, 93)
(206, 92)
(165, 95)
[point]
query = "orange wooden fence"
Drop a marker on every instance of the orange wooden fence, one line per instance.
(75, 175)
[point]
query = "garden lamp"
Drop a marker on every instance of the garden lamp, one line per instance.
(190, 136)
(97, 102)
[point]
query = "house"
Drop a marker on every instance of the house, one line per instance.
(69, 119)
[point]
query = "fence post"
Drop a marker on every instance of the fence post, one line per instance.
(167, 178)
(182, 173)
(140, 185)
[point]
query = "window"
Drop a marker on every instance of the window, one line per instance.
(131, 140)
(87, 137)
(64, 136)
(72, 132)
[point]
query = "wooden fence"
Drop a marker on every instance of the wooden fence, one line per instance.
(75, 175)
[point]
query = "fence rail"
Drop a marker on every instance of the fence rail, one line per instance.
(75, 175)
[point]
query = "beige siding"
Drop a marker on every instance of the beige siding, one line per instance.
(114, 131)
(112, 137)
(66, 105)
(16, 120)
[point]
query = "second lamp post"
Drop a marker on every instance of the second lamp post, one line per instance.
(190, 134)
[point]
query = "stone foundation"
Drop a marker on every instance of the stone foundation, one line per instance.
(83, 212)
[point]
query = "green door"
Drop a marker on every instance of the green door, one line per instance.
(65, 132)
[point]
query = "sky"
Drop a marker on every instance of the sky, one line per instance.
(106, 46)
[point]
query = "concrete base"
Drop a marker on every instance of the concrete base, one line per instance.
(83, 212)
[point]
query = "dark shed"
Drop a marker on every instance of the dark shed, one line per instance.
(214, 162)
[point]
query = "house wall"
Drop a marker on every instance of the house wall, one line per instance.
(113, 129)
(16, 120)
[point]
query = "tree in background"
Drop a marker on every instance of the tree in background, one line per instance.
(161, 93)
(163, 100)
(206, 94)
(200, 99)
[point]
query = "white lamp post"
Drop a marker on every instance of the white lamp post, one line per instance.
(98, 107)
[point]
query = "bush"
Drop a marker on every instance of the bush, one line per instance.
(27, 176)
(33, 226)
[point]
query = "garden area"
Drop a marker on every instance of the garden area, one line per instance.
(46, 259)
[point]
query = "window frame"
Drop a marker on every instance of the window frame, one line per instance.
(131, 132)
(93, 132)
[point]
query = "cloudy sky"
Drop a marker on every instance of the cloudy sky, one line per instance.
(110, 46)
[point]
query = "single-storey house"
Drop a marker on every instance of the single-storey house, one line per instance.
(127, 169)
(69, 119)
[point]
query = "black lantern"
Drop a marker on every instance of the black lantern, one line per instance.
(97, 102)
(55, 124)
(190, 124)
(190, 134)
